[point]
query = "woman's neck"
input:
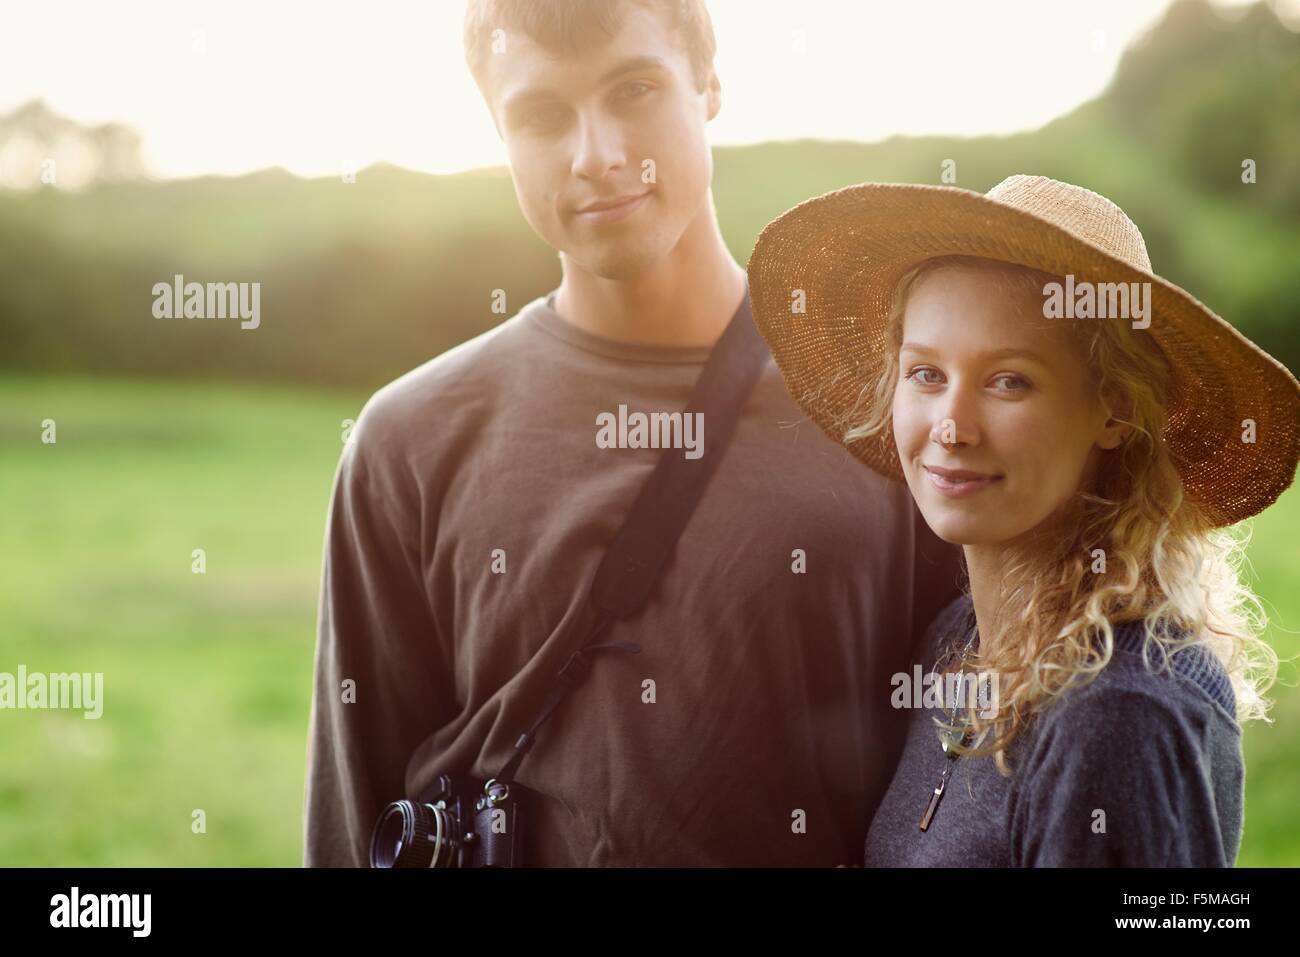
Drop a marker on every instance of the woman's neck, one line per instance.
(985, 564)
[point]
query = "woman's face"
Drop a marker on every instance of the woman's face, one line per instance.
(994, 418)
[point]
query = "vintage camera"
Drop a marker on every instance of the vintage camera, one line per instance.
(456, 822)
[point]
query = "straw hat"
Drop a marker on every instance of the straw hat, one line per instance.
(847, 250)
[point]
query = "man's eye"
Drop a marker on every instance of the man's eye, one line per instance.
(635, 89)
(543, 118)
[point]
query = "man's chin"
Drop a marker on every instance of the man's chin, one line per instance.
(619, 261)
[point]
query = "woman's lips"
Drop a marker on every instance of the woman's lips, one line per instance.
(956, 483)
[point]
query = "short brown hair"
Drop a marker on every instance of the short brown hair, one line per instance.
(567, 27)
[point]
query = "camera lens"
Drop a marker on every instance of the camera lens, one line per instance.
(411, 834)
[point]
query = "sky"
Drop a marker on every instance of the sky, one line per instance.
(232, 86)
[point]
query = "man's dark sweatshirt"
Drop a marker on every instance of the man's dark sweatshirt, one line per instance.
(471, 507)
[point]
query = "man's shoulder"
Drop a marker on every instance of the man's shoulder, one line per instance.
(449, 387)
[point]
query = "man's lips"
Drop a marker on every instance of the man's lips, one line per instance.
(610, 203)
(609, 209)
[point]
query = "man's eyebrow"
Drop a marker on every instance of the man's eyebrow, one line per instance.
(633, 65)
(630, 65)
(1008, 353)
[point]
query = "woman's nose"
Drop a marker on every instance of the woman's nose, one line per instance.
(955, 422)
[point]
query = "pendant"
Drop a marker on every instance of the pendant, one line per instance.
(933, 805)
(949, 739)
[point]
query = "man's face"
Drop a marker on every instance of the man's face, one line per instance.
(995, 421)
(579, 133)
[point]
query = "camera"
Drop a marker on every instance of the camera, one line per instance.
(455, 822)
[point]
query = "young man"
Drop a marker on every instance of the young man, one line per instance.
(473, 504)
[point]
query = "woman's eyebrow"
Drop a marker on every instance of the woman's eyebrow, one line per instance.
(1007, 353)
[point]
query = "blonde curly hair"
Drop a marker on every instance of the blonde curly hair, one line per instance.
(1165, 564)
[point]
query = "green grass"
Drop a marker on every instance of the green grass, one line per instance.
(208, 677)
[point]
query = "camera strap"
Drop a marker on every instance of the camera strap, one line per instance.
(644, 544)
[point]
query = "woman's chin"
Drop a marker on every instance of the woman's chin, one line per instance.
(964, 529)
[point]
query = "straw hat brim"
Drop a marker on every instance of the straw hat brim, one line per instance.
(847, 250)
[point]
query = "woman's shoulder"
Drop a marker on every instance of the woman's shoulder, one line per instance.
(1152, 757)
(1144, 709)
(1151, 752)
(1189, 677)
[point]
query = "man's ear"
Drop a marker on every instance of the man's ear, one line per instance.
(713, 90)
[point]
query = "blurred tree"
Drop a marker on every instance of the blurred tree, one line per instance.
(33, 136)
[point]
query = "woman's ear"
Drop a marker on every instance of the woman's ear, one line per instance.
(1119, 411)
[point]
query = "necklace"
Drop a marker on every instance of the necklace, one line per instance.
(949, 740)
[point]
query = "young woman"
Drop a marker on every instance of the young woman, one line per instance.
(1085, 431)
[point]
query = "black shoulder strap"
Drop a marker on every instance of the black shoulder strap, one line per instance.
(660, 513)
(642, 547)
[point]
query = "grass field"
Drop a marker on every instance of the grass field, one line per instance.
(207, 678)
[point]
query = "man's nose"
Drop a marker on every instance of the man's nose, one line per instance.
(600, 147)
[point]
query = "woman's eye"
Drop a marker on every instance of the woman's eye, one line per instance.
(920, 373)
(1013, 383)
(1006, 382)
